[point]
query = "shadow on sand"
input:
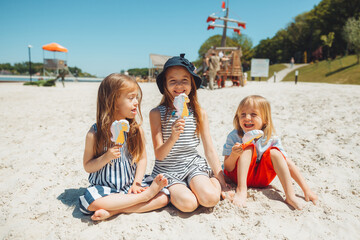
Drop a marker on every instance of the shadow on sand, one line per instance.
(70, 197)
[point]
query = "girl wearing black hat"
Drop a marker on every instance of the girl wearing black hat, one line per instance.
(191, 181)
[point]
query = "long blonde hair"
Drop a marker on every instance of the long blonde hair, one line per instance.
(111, 88)
(264, 108)
(168, 101)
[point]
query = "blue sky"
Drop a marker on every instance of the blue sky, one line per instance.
(110, 35)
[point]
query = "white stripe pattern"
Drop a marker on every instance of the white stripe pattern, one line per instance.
(119, 175)
(183, 159)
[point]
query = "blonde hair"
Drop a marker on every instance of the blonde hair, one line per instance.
(264, 108)
(111, 88)
(168, 101)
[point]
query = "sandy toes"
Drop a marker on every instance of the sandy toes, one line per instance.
(159, 182)
(240, 199)
(294, 202)
(100, 214)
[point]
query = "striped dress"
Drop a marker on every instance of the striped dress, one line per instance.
(183, 161)
(112, 178)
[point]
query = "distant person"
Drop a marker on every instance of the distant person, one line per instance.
(62, 74)
(117, 172)
(256, 163)
(204, 72)
(76, 74)
(156, 72)
(213, 63)
(292, 61)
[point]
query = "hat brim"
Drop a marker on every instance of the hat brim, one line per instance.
(161, 78)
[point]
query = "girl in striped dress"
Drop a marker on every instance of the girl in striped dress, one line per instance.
(191, 181)
(116, 173)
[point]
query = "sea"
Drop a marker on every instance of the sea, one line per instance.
(22, 78)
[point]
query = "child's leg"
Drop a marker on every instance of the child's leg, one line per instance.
(121, 201)
(242, 174)
(159, 201)
(282, 170)
(296, 175)
(207, 190)
(183, 198)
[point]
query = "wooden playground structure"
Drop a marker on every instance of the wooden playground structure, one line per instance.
(230, 65)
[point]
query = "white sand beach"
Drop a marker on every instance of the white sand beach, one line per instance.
(42, 135)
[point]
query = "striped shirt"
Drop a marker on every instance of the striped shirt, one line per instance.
(183, 159)
(119, 174)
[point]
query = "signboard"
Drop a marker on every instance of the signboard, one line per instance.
(259, 67)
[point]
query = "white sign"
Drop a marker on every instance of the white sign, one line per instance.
(259, 67)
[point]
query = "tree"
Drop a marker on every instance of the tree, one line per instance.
(328, 41)
(303, 34)
(246, 47)
(351, 34)
(215, 41)
(235, 41)
(143, 72)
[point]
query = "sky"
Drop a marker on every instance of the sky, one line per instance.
(108, 36)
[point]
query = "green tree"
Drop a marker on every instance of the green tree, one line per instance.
(215, 41)
(246, 47)
(303, 34)
(23, 68)
(328, 41)
(143, 72)
(235, 41)
(351, 33)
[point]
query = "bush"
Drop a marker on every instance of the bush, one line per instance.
(47, 83)
(31, 83)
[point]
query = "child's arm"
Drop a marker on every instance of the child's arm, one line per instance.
(230, 160)
(296, 175)
(92, 164)
(210, 151)
(140, 171)
(161, 148)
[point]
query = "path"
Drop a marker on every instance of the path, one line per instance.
(280, 75)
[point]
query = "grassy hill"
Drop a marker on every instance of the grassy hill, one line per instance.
(272, 68)
(342, 70)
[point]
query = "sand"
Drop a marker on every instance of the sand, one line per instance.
(41, 173)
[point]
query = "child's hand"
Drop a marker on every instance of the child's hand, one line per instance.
(237, 149)
(311, 196)
(113, 152)
(136, 188)
(225, 187)
(178, 128)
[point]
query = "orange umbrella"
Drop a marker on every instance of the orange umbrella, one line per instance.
(54, 47)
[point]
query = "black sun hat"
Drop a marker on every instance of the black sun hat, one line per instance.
(177, 61)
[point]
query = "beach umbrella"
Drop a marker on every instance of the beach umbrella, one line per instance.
(54, 63)
(54, 47)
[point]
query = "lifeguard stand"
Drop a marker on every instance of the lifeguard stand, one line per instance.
(53, 64)
(230, 65)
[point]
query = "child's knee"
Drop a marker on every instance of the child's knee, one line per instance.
(275, 154)
(209, 198)
(247, 153)
(187, 204)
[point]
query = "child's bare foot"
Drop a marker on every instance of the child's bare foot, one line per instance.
(311, 196)
(294, 202)
(100, 215)
(240, 198)
(159, 182)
